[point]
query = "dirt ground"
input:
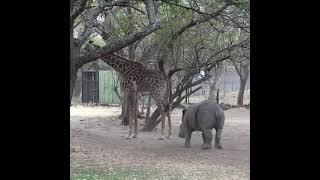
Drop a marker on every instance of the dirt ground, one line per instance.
(98, 140)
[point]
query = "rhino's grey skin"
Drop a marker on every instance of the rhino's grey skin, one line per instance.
(203, 117)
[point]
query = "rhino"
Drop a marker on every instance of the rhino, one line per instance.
(203, 116)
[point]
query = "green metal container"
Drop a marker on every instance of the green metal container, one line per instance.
(107, 81)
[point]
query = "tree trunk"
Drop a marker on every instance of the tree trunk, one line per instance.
(73, 73)
(125, 102)
(212, 92)
(142, 108)
(122, 108)
(214, 81)
(73, 78)
(155, 120)
(186, 100)
(241, 91)
(243, 73)
(75, 51)
(78, 85)
(217, 96)
(203, 89)
(148, 109)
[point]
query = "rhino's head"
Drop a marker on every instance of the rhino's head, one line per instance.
(182, 126)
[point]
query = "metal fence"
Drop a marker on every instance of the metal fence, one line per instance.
(99, 87)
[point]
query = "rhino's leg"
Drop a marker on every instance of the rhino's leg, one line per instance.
(208, 136)
(204, 139)
(188, 137)
(217, 143)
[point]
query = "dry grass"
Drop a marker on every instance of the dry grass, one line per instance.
(97, 141)
(99, 149)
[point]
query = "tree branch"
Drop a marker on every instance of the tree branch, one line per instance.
(128, 5)
(199, 21)
(171, 72)
(217, 61)
(78, 11)
(180, 90)
(196, 82)
(236, 66)
(185, 7)
(151, 11)
(118, 44)
(178, 101)
(186, 77)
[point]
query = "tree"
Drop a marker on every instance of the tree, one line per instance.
(241, 62)
(216, 74)
(242, 69)
(204, 56)
(81, 12)
(194, 37)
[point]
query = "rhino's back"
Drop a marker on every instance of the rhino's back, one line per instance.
(210, 115)
(210, 106)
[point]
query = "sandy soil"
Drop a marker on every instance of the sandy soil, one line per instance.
(97, 139)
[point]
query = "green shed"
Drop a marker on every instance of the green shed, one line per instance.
(98, 87)
(107, 81)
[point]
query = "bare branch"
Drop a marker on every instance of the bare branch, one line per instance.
(128, 5)
(118, 44)
(199, 21)
(215, 28)
(185, 7)
(216, 62)
(244, 28)
(177, 102)
(78, 11)
(236, 66)
(77, 24)
(171, 72)
(188, 85)
(151, 11)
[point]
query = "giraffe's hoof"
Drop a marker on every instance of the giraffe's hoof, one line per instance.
(134, 136)
(169, 137)
(128, 137)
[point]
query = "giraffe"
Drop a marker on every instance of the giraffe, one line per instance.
(137, 79)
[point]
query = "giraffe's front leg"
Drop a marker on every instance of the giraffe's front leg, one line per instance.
(130, 117)
(162, 126)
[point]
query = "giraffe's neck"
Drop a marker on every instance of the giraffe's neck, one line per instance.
(122, 65)
(113, 61)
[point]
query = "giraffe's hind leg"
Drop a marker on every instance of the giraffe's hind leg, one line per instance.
(162, 118)
(158, 96)
(130, 115)
(135, 107)
(167, 108)
(170, 124)
(130, 123)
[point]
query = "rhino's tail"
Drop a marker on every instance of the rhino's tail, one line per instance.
(220, 119)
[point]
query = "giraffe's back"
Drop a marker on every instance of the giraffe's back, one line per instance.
(151, 80)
